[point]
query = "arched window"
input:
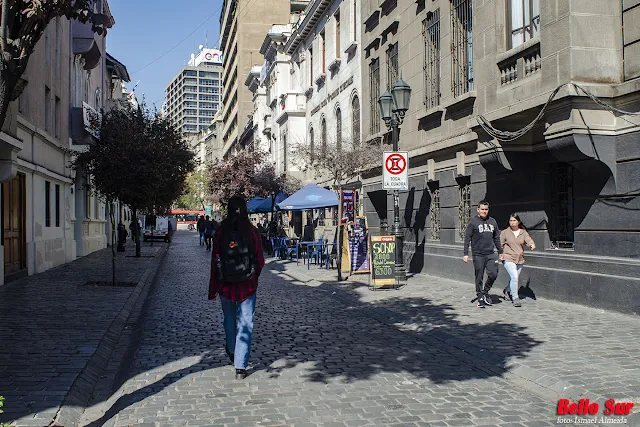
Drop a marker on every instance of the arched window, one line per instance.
(311, 141)
(323, 136)
(338, 129)
(355, 120)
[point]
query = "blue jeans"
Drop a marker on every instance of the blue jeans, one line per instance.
(238, 328)
(202, 238)
(514, 272)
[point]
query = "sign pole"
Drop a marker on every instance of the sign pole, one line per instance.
(400, 272)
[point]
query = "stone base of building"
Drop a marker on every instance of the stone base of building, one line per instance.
(609, 283)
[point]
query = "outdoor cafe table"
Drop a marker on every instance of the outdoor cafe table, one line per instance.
(323, 248)
(306, 245)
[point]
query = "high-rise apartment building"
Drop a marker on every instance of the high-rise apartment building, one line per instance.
(193, 96)
(243, 25)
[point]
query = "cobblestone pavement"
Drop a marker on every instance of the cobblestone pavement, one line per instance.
(51, 325)
(330, 354)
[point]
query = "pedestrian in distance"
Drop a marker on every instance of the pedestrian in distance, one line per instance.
(200, 228)
(208, 228)
(132, 229)
(513, 240)
(236, 263)
(484, 235)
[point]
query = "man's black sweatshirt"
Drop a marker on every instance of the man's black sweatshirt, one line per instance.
(484, 235)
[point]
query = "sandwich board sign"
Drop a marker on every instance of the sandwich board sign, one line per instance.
(383, 261)
(395, 170)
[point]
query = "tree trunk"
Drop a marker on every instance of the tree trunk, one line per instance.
(137, 231)
(113, 244)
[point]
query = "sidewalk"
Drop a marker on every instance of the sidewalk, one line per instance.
(553, 348)
(56, 332)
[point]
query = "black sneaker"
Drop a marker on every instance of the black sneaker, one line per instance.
(487, 300)
(480, 302)
(516, 302)
(241, 374)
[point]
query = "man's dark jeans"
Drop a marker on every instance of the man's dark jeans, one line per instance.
(482, 263)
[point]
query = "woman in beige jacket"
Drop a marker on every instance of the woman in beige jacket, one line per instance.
(513, 240)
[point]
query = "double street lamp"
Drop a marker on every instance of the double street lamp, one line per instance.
(393, 107)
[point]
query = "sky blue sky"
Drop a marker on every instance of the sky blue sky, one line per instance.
(147, 29)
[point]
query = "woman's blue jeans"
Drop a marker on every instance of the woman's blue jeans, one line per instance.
(238, 328)
(514, 272)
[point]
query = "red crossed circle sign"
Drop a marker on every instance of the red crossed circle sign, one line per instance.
(395, 164)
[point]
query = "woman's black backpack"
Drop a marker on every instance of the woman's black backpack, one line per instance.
(236, 261)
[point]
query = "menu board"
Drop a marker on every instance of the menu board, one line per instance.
(383, 260)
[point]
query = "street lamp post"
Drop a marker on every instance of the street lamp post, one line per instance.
(393, 107)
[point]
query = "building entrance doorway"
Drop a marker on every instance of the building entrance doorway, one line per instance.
(14, 227)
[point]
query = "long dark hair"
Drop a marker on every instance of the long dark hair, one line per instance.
(237, 214)
(516, 217)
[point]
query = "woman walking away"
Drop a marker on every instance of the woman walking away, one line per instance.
(513, 240)
(236, 263)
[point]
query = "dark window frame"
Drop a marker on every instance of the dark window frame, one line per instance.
(431, 35)
(462, 80)
(57, 205)
(47, 204)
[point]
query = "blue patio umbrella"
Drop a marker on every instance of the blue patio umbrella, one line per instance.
(311, 196)
(265, 205)
(253, 203)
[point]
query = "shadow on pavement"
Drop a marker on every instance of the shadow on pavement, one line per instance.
(324, 330)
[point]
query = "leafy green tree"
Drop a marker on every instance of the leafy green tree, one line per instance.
(196, 193)
(22, 23)
(139, 159)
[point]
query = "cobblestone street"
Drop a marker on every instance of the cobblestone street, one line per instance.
(337, 354)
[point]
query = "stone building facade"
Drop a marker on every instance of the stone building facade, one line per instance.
(48, 218)
(324, 50)
(243, 25)
(572, 177)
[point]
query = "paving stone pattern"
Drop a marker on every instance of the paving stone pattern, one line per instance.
(328, 354)
(50, 326)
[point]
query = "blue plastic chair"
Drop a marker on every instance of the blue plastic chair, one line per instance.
(315, 252)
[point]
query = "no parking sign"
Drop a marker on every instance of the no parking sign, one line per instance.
(395, 170)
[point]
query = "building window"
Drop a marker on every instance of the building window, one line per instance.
(47, 45)
(47, 204)
(434, 214)
(57, 47)
(23, 107)
(338, 129)
(561, 230)
(354, 21)
(323, 53)
(461, 47)
(87, 197)
(47, 108)
(58, 117)
(323, 136)
(310, 66)
(464, 209)
(374, 94)
(392, 65)
(57, 205)
(431, 34)
(355, 121)
(524, 19)
(311, 142)
(284, 151)
(337, 18)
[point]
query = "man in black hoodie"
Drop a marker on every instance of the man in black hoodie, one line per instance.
(484, 234)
